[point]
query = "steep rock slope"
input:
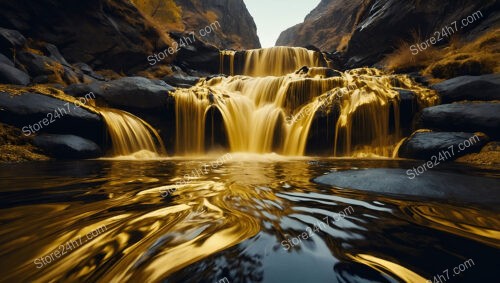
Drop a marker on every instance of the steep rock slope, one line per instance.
(368, 29)
(237, 28)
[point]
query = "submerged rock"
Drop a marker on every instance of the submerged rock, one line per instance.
(485, 87)
(464, 117)
(12, 75)
(431, 184)
(425, 145)
(67, 146)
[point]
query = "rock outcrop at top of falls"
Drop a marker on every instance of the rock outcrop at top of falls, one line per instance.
(369, 29)
(115, 34)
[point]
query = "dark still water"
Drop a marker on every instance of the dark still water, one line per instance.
(248, 219)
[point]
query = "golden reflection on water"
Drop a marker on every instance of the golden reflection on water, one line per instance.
(150, 238)
(387, 266)
(465, 222)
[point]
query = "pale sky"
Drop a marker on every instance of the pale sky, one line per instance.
(274, 16)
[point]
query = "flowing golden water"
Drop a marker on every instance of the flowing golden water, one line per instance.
(130, 134)
(231, 222)
(274, 106)
(278, 61)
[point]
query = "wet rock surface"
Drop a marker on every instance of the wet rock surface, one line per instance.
(464, 117)
(127, 93)
(28, 109)
(425, 145)
(67, 146)
(432, 184)
(482, 88)
(12, 75)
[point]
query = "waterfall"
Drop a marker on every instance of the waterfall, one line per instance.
(278, 61)
(275, 61)
(130, 134)
(263, 114)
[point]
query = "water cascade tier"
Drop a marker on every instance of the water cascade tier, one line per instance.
(357, 112)
(276, 61)
(130, 134)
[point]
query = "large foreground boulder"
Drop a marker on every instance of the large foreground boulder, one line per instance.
(430, 184)
(67, 146)
(464, 117)
(484, 88)
(36, 113)
(12, 75)
(449, 146)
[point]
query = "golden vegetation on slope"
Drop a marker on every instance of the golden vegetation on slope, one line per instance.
(164, 13)
(15, 147)
(458, 58)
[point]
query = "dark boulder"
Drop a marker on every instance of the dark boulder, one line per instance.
(51, 51)
(5, 60)
(34, 112)
(449, 145)
(80, 90)
(464, 117)
(87, 70)
(9, 40)
(47, 70)
(67, 146)
(134, 93)
(38, 65)
(12, 75)
(181, 80)
(484, 87)
(431, 184)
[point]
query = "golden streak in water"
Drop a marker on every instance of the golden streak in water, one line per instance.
(386, 266)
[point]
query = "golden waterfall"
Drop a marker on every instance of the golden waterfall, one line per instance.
(130, 134)
(272, 108)
(274, 61)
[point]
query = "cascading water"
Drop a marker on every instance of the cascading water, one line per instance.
(271, 109)
(130, 134)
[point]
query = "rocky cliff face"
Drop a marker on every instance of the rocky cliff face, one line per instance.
(104, 33)
(115, 34)
(237, 28)
(368, 29)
